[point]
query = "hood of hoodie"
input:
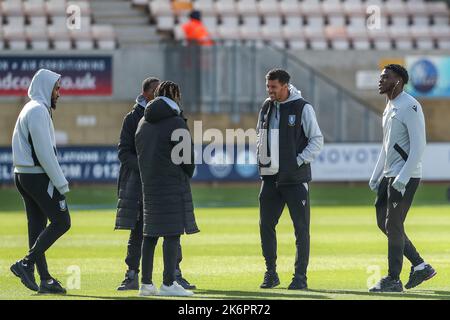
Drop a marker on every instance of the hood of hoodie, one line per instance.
(142, 101)
(294, 94)
(41, 86)
(161, 108)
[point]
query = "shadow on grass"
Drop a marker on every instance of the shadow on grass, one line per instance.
(424, 294)
(258, 295)
(216, 295)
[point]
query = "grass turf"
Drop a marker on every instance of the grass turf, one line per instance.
(225, 261)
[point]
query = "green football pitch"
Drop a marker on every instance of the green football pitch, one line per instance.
(224, 260)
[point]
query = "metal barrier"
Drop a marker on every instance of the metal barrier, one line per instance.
(230, 79)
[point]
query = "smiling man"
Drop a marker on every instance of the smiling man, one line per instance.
(288, 140)
(40, 180)
(396, 177)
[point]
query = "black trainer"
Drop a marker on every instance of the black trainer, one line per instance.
(184, 283)
(387, 284)
(419, 276)
(131, 281)
(25, 271)
(299, 282)
(271, 280)
(51, 286)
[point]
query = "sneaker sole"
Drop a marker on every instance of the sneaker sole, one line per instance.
(17, 273)
(426, 279)
(148, 294)
(54, 293)
(275, 285)
(174, 295)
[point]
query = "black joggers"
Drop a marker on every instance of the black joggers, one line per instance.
(42, 201)
(391, 208)
(272, 200)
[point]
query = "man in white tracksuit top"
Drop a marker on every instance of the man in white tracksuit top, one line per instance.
(396, 178)
(40, 180)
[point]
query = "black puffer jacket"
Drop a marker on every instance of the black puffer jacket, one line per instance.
(129, 184)
(168, 207)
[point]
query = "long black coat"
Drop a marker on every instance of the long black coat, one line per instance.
(129, 186)
(168, 207)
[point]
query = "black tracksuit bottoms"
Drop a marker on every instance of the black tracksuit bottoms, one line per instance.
(272, 200)
(134, 248)
(170, 254)
(392, 208)
(42, 201)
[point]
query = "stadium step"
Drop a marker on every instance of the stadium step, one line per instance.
(131, 24)
(129, 35)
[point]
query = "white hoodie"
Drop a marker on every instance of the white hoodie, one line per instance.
(34, 130)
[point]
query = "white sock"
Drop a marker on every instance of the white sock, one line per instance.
(420, 266)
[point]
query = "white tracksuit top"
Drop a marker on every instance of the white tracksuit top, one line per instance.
(404, 126)
(35, 125)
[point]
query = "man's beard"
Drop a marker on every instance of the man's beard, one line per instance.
(53, 104)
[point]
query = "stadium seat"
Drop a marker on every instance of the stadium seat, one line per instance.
(38, 37)
(251, 21)
(226, 7)
(36, 12)
(296, 38)
(269, 8)
(82, 38)
(439, 13)
(14, 12)
(316, 37)
(290, 8)
(294, 22)
(422, 37)
(250, 32)
(380, 39)
(359, 38)
(441, 34)
(16, 37)
(228, 32)
(337, 36)
(246, 7)
(418, 13)
(273, 21)
(207, 7)
(85, 11)
(56, 8)
(334, 11)
(60, 38)
(230, 21)
(401, 36)
(105, 36)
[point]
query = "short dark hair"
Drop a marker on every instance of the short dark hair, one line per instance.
(398, 70)
(168, 89)
(148, 82)
(195, 14)
(278, 74)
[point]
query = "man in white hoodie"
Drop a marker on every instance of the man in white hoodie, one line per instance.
(40, 180)
(289, 139)
(396, 177)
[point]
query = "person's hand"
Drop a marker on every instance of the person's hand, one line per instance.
(373, 185)
(399, 186)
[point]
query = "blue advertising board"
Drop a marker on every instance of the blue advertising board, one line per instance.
(429, 76)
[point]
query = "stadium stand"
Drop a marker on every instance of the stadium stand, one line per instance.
(43, 25)
(314, 24)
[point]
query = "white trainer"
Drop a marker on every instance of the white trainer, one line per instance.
(175, 290)
(148, 290)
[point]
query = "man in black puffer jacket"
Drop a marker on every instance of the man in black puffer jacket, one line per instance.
(129, 207)
(168, 207)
